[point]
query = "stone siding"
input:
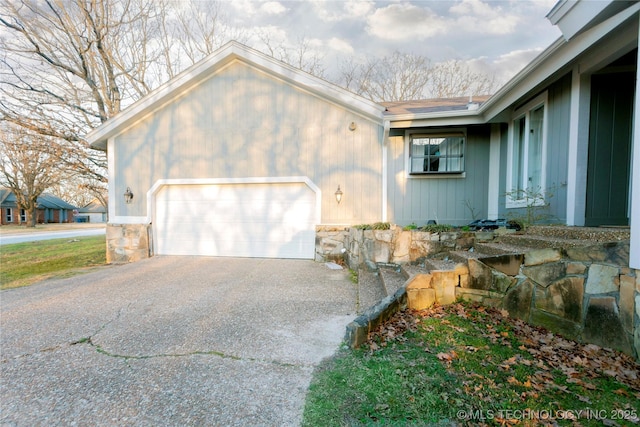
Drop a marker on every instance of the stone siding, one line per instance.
(128, 243)
(372, 247)
(589, 301)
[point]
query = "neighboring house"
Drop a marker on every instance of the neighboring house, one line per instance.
(242, 155)
(51, 209)
(94, 212)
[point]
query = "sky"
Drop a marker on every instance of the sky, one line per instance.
(496, 37)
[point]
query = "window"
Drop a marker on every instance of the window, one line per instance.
(23, 215)
(437, 153)
(9, 215)
(526, 155)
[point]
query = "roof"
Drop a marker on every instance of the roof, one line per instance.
(94, 207)
(205, 69)
(433, 105)
(553, 61)
(45, 201)
(52, 202)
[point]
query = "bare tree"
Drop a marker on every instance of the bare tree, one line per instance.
(79, 191)
(26, 168)
(398, 77)
(301, 55)
(403, 77)
(454, 78)
(69, 65)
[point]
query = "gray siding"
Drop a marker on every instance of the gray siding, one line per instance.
(558, 105)
(417, 200)
(245, 123)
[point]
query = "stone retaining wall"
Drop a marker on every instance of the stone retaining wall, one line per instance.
(580, 293)
(371, 247)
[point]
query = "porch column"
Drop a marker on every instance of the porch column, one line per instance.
(634, 202)
(493, 196)
(578, 147)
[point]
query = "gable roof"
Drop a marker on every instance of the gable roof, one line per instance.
(553, 61)
(45, 200)
(93, 207)
(203, 70)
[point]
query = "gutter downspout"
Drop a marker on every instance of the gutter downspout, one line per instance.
(385, 179)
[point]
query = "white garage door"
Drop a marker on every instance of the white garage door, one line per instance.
(236, 220)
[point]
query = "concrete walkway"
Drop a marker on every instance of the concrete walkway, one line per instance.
(171, 341)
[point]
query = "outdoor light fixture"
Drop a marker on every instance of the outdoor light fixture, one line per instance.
(128, 196)
(338, 194)
(352, 126)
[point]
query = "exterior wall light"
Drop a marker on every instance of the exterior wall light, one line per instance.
(128, 196)
(338, 194)
(352, 126)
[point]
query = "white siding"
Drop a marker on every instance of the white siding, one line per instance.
(244, 123)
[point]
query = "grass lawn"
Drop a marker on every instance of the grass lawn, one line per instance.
(23, 264)
(464, 364)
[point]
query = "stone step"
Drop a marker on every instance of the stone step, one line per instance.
(392, 279)
(543, 242)
(370, 290)
(464, 256)
(440, 264)
(499, 248)
(411, 270)
(592, 234)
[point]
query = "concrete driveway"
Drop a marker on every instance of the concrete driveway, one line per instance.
(171, 341)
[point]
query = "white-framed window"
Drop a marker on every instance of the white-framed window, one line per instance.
(23, 215)
(526, 154)
(436, 153)
(8, 214)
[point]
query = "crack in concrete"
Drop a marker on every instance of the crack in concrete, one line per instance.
(219, 354)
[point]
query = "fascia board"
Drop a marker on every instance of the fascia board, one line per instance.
(447, 118)
(203, 70)
(557, 56)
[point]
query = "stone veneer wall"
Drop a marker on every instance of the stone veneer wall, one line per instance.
(586, 294)
(128, 242)
(371, 247)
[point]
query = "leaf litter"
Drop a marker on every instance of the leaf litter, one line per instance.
(580, 363)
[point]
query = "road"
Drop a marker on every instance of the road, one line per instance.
(47, 235)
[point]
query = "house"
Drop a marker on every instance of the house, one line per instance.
(51, 209)
(94, 212)
(242, 155)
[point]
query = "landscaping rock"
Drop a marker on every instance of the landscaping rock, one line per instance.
(576, 268)
(562, 298)
(420, 298)
(603, 326)
(602, 279)
(542, 256)
(556, 324)
(480, 275)
(517, 301)
(545, 274)
(612, 253)
(508, 264)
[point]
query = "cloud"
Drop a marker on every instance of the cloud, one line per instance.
(509, 64)
(340, 45)
(334, 11)
(479, 17)
(404, 21)
(409, 21)
(273, 8)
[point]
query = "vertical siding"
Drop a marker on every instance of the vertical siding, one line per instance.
(244, 123)
(558, 116)
(417, 200)
(558, 147)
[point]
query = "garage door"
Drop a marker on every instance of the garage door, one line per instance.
(236, 220)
